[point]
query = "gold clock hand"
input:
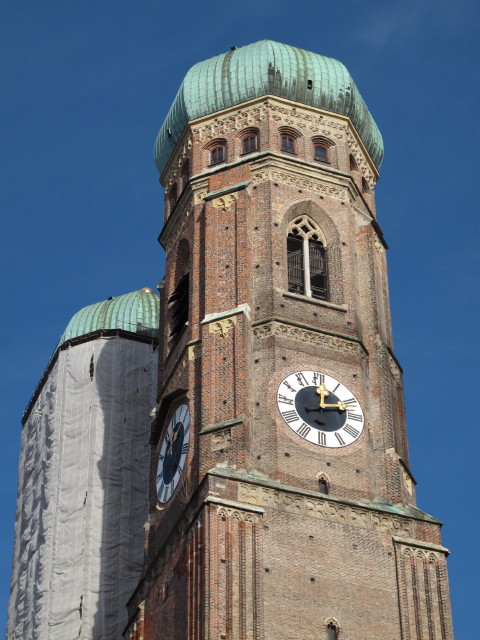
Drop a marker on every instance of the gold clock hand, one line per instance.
(339, 405)
(322, 392)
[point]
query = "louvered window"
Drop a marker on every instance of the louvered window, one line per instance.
(296, 277)
(307, 259)
(179, 307)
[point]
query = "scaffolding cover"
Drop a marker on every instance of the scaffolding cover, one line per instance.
(82, 493)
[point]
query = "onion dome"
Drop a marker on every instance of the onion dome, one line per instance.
(261, 69)
(137, 312)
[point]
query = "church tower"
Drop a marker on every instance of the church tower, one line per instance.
(282, 504)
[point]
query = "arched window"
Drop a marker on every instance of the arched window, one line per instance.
(217, 154)
(250, 143)
(332, 631)
(353, 164)
(185, 173)
(307, 259)
(365, 187)
(173, 196)
(179, 300)
(320, 153)
(323, 485)
(288, 144)
(323, 150)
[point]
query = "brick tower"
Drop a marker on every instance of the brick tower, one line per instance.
(282, 501)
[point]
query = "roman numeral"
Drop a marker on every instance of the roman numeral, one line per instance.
(159, 476)
(339, 438)
(322, 438)
(354, 416)
(302, 381)
(165, 493)
(351, 430)
(303, 430)
(289, 386)
(284, 399)
(336, 389)
(318, 378)
(185, 447)
(290, 416)
(349, 401)
(162, 458)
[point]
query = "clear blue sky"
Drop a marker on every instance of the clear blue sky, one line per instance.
(85, 87)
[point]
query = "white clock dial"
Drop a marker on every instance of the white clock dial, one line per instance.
(173, 453)
(320, 409)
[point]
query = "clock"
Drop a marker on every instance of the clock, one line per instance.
(173, 453)
(320, 409)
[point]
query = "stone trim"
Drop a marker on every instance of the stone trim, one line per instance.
(319, 303)
(191, 351)
(309, 335)
(222, 425)
(262, 482)
(215, 317)
(233, 504)
(325, 509)
(410, 542)
(225, 191)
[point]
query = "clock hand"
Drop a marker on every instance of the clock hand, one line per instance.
(322, 392)
(171, 440)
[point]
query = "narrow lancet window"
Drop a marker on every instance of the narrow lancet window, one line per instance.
(307, 259)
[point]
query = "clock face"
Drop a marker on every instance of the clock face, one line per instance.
(173, 453)
(320, 409)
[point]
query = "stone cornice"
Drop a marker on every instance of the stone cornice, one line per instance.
(407, 512)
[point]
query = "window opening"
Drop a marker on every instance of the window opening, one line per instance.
(218, 155)
(288, 144)
(323, 486)
(353, 164)
(365, 187)
(250, 144)
(332, 631)
(320, 153)
(179, 302)
(173, 196)
(307, 259)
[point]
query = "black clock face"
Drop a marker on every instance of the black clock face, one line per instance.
(320, 409)
(173, 453)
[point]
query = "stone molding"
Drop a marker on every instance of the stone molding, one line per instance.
(191, 352)
(223, 321)
(175, 167)
(325, 509)
(303, 181)
(411, 547)
(308, 336)
(225, 202)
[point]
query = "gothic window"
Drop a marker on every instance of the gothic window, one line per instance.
(178, 302)
(288, 144)
(250, 144)
(173, 196)
(353, 164)
(332, 631)
(365, 187)
(323, 485)
(185, 173)
(217, 154)
(307, 259)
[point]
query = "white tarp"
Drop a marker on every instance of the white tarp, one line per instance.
(83, 491)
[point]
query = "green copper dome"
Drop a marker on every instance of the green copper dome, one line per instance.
(137, 312)
(260, 69)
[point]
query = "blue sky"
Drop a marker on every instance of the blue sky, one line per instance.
(85, 87)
